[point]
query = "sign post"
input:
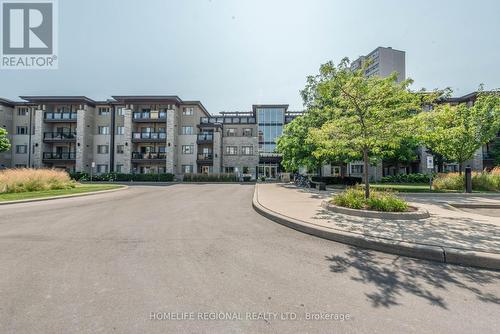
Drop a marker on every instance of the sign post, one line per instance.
(430, 167)
(91, 170)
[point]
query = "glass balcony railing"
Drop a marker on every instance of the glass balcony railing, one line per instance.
(60, 116)
(205, 137)
(59, 136)
(148, 156)
(59, 155)
(149, 135)
(162, 115)
(205, 156)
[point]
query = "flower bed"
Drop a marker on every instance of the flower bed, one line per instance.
(28, 180)
(354, 198)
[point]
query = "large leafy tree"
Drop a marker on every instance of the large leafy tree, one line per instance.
(495, 151)
(368, 117)
(293, 145)
(458, 131)
(4, 141)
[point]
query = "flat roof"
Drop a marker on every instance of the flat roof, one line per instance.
(55, 99)
(256, 106)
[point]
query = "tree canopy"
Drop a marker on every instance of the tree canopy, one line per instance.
(366, 117)
(4, 141)
(458, 131)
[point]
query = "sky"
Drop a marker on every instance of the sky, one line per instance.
(230, 54)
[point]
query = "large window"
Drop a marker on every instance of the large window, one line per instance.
(103, 130)
(22, 130)
(187, 169)
(102, 149)
(187, 130)
(120, 130)
(357, 169)
(103, 111)
(247, 150)
(188, 111)
(231, 132)
(270, 127)
(231, 150)
(187, 149)
(21, 149)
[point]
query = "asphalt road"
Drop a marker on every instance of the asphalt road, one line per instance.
(121, 262)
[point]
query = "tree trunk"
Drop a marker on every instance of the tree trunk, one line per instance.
(365, 172)
(459, 168)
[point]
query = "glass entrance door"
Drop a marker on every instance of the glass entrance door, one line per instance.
(268, 171)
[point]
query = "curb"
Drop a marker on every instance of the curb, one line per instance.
(419, 251)
(62, 196)
(419, 214)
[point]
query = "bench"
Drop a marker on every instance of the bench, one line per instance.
(318, 185)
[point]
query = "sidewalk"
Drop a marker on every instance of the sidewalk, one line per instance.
(454, 232)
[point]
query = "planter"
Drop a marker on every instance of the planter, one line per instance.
(418, 213)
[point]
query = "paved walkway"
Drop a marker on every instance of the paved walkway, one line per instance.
(447, 227)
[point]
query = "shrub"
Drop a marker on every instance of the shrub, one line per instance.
(343, 180)
(406, 178)
(120, 177)
(483, 181)
(26, 180)
(210, 178)
(354, 198)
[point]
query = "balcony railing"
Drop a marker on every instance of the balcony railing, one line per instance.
(59, 156)
(148, 156)
(59, 136)
(205, 138)
(145, 136)
(60, 116)
(205, 156)
(149, 116)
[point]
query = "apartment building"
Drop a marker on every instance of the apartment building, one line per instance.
(383, 61)
(141, 134)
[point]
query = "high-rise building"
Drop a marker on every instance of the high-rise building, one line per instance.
(383, 62)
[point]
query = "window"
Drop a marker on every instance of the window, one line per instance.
(188, 111)
(21, 149)
(120, 111)
(120, 130)
(102, 169)
(120, 149)
(162, 149)
(231, 132)
(20, 166)
(119, 168)
(247, 132)
(22, 111)
(228, 170)
(103, 111)
(335, 171)
(187, 130)
(187, 169)
(247, 150)
(22, 130)
(187, 149)
(231, 150)
(102, 149)
(357, 169)
(103, 130)
(246, 170)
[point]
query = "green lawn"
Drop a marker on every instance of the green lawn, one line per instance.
(84, 188)
(403, 187)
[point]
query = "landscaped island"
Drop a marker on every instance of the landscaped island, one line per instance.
(20, 184)
(354, 198)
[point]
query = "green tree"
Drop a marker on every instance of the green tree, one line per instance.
(4, 141)
(495, 151)
(292, 145)
(404, 154)
(458, 131)
(367, 117)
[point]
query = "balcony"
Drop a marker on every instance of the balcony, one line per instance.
(205, 159)
(146, 117)
(149, 137)
(205, 138)
(148, 157)
(60, 117)
(59, 137)
(59, 156)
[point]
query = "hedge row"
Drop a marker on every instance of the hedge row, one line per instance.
(406, 178)
(343, 180)
(214, 178)
(123, 177)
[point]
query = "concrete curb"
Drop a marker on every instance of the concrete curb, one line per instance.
(419, 214)
(62, 196)
(420, 251)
